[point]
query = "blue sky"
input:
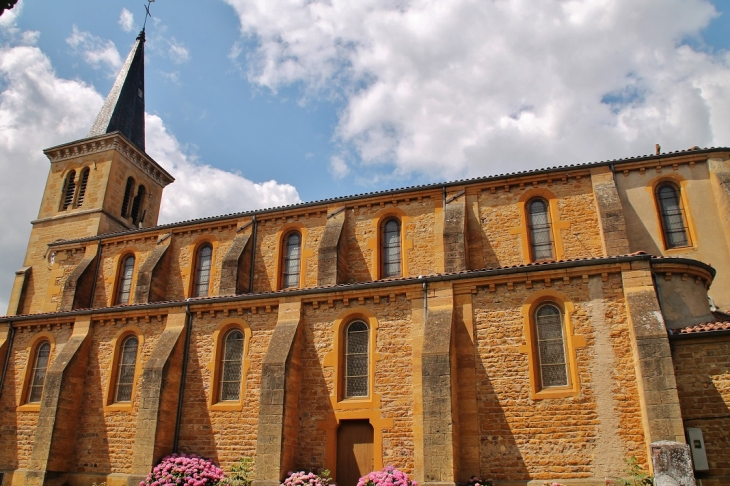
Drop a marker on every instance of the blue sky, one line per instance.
(254, 103)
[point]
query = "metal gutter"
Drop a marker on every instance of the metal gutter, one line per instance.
(492, 272)
(403, 190)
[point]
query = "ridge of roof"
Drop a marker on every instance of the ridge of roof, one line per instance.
(420, 187)
(397, 281)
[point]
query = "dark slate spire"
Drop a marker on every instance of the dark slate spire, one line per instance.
(123, 109)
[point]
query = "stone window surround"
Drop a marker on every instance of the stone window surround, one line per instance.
(304, 254)
(119, 275)
(40, 338)
(109, 396)
(189, 271)
(681, 185)
(572, 341)
(376, 244)
(215, 365)
(79, 171)
(556, 225)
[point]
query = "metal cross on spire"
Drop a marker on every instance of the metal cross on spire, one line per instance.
(147, 13)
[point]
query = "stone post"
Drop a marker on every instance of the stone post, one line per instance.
(611, 214)
(672, 464)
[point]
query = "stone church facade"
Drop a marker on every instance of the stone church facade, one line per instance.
(542, 325)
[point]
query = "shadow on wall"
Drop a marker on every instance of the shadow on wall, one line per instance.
(9, 426)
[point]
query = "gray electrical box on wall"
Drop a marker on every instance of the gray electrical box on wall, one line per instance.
(697, 446)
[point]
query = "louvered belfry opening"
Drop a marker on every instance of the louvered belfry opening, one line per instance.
(69, 190)
(356, 360)
(541, 243)
(82, 187)
(137, 204)
(674, 226)
(551, 346)
(127, 196)
(232, 369)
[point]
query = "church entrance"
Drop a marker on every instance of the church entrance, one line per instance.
(354, 451)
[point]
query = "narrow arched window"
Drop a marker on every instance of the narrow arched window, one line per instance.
(540, 234)
(127, 365)
(137, 205)
(69, 188)
(232, 366)
(551, 346)
(672, 216)
(391, 249)
(125, 280)
(126, 202)
(202, 270)
(40, 365)
(82, 187)
(357, 338)
(292, 260)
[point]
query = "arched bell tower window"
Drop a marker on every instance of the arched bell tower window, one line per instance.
(82, 187)
(391, 248)
(539, 231)
(551, 346)
(137, 205)
(126, 202)
(202, 270)
(69, 188)
(125, 280)
(357, 336)
(673, 219)
(292, 260)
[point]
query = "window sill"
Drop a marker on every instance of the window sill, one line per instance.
(354, 403)
(119, 407)
(555, 392)
(227, 406)
(29, 407)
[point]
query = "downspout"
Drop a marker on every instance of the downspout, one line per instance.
(186, 354)
(11, 338)
(444, 197)
(253, 254)
(96, 273)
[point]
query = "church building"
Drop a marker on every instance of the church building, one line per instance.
(540, 325)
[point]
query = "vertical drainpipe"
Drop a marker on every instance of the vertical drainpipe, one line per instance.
(186, 354)
(11, 338)
(96, 273)
(253, 254)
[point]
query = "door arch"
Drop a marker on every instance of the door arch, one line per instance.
(354, 451)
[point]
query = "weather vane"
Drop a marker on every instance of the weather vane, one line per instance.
(147, 13)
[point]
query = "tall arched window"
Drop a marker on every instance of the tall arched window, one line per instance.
(551, 346)
(231, 366)
(126, 370)
(672, 216)
(126, 202)
(540, 234)
(40, 365)
(69, 188)
(82, 187)
(137, 205)
(292, 260)
(391, 260)
(125, 280)
(202, 270)
(357, 336)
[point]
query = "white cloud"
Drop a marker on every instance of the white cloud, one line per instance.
(464, 87)
(97, 52)
(39, 110)
(338, 167)
(200, 190)
(126, 20)
(178, 52)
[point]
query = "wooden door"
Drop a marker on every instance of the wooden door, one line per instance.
(354, 451)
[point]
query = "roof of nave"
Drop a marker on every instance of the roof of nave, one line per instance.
(377, 284)
(402, 190)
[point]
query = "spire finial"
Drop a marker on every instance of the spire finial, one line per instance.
(147, 14)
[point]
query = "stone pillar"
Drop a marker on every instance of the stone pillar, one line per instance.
(146, 289)
(658, 395)
(328, 265)
(75, 294)
(611, 214)
(55, 435)
(278, 413)
(158, 397)
(455, 234)
(234, 278)
(438, 380)
(466, 386)
(672, 463)
(16, 296)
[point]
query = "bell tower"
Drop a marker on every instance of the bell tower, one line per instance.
(104, 183)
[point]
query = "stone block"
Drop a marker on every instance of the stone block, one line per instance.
(672, 463)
